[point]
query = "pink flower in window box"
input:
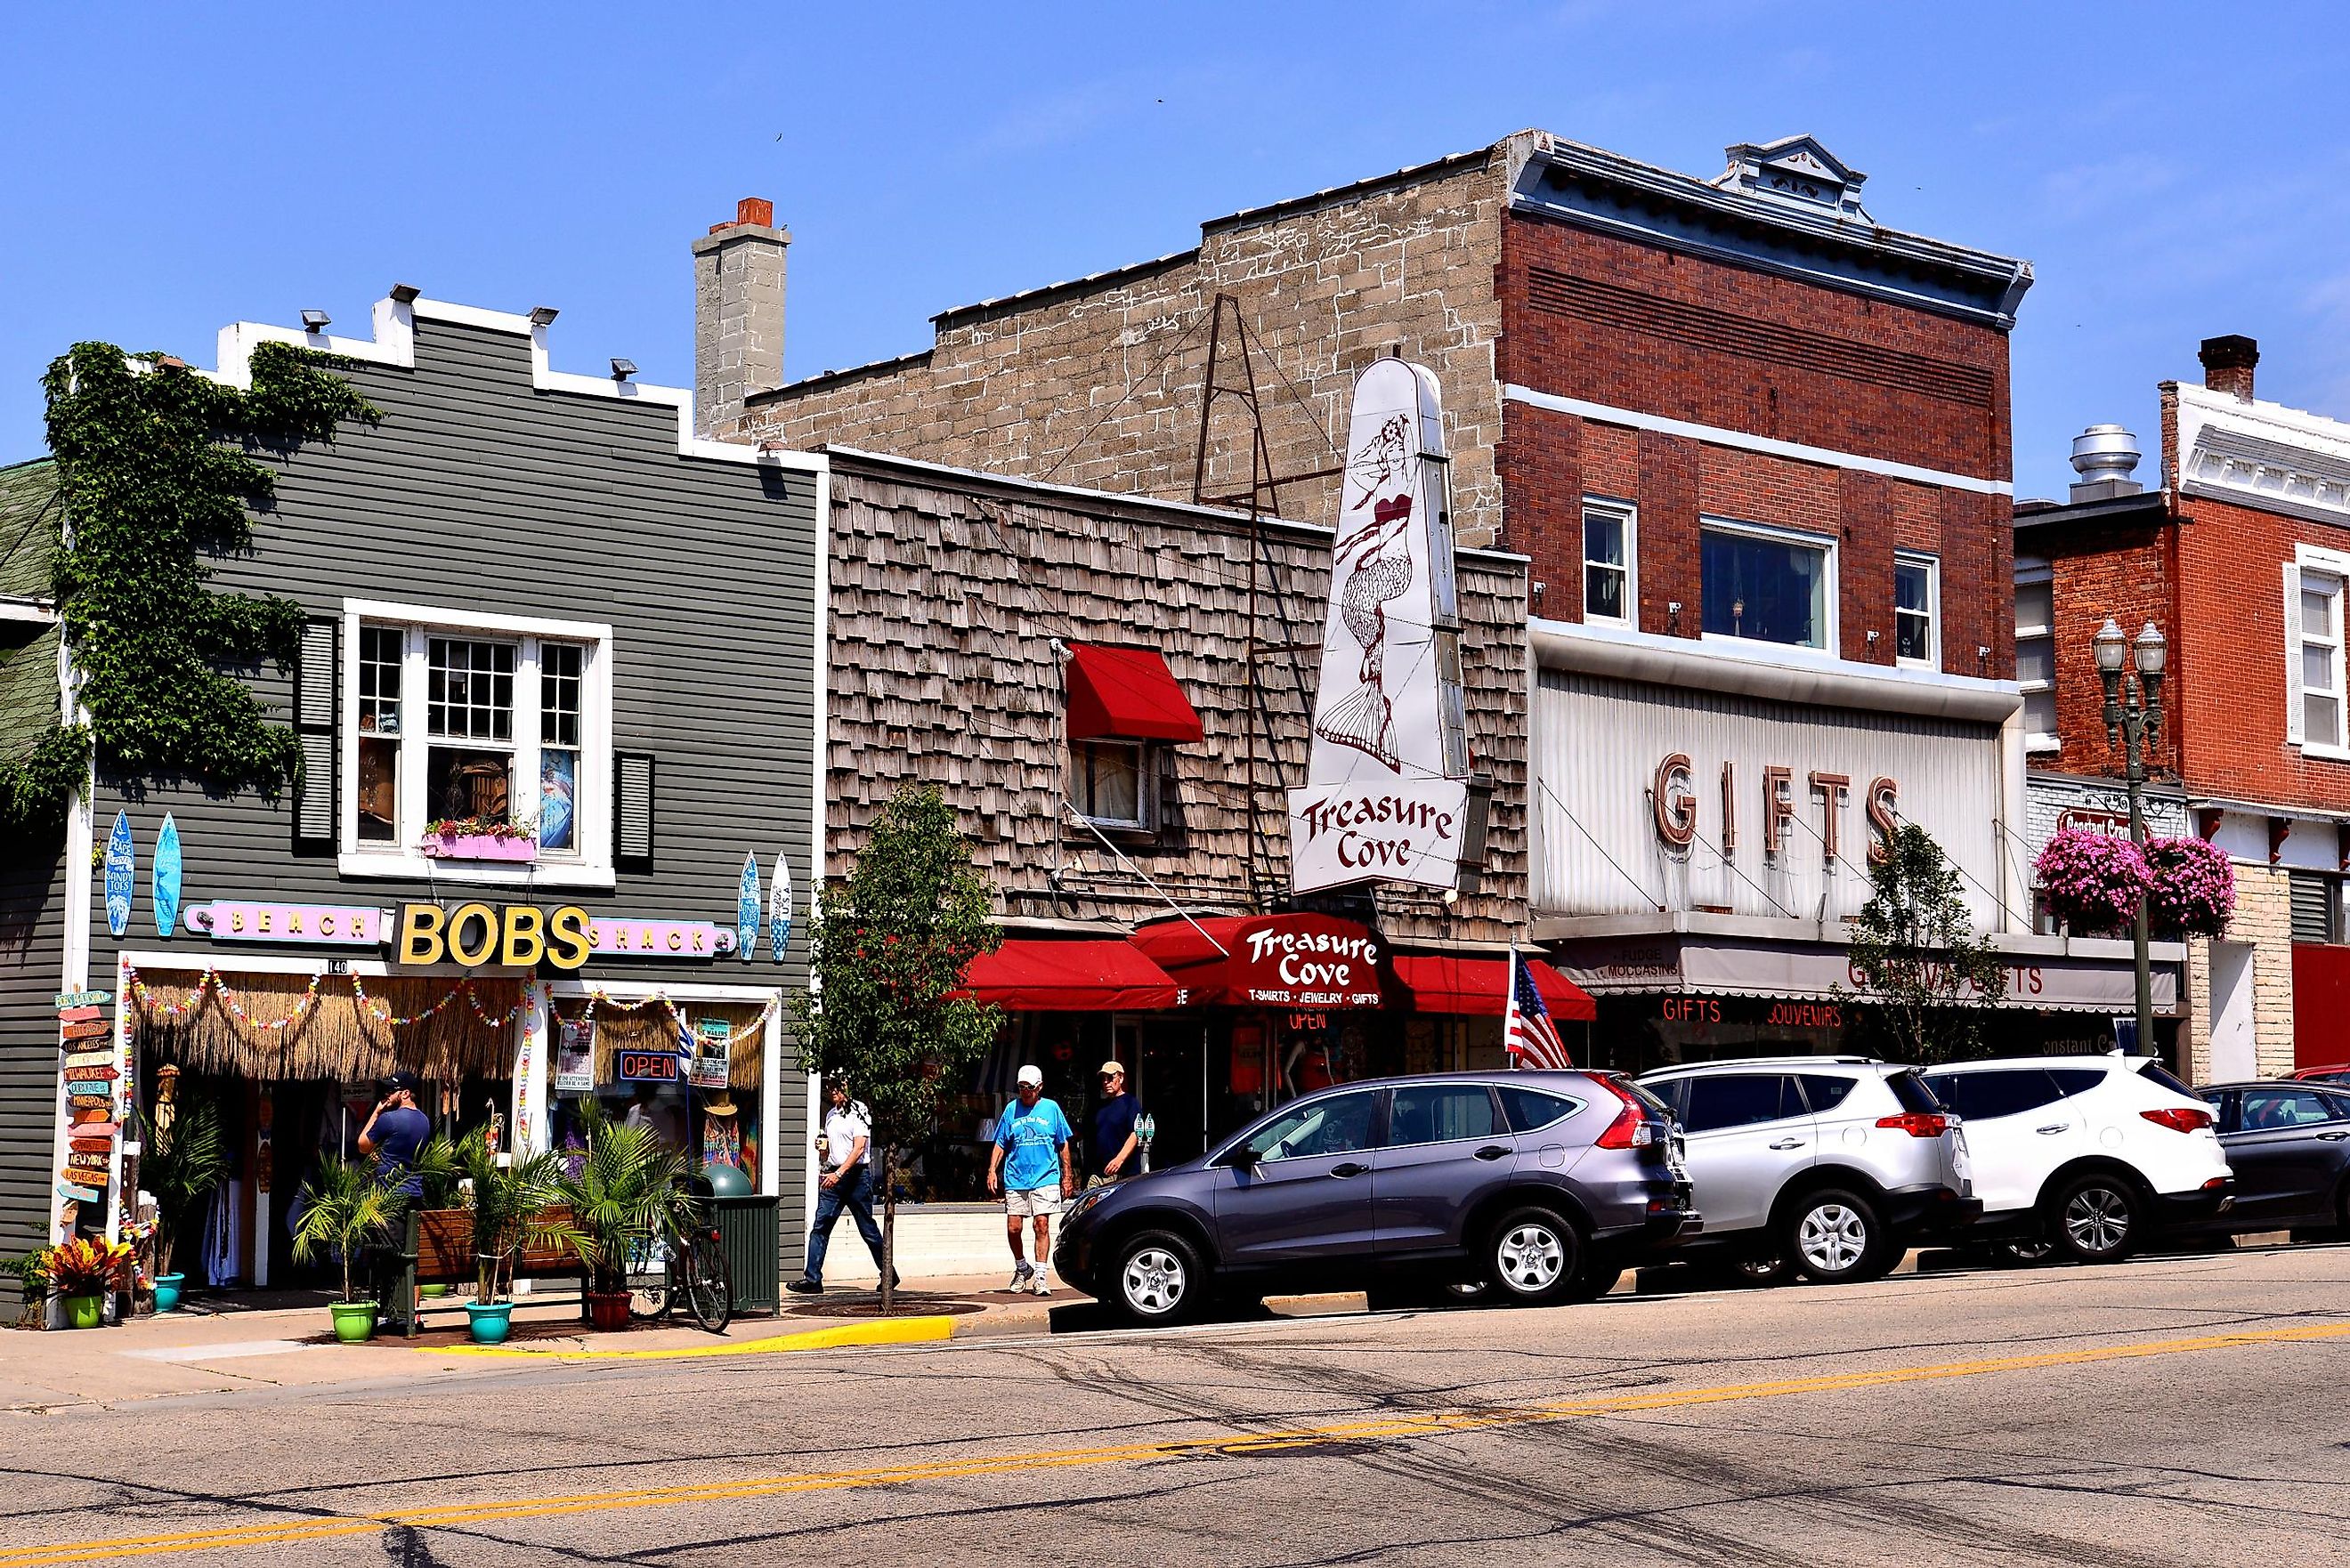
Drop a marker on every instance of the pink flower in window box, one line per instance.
(481, 839)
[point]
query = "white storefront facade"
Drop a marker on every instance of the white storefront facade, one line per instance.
(1703, 820)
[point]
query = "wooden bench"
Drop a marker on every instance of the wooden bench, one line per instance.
(438, 1250)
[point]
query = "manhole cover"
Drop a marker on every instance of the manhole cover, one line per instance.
(908, 1306)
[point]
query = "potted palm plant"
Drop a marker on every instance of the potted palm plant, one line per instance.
(344, 1212)
(626, 1189)
(187, 1157)
(517, 1203)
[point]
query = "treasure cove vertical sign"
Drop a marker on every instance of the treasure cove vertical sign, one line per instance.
(1387, 791)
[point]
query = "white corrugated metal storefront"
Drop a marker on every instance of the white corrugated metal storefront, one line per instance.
(1597, 741)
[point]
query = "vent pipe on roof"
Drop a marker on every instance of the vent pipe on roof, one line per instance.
(2105, 456)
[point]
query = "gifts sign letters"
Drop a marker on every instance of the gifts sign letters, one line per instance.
(1387, 791)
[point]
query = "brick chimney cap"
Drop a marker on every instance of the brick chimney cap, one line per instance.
(2233, 351)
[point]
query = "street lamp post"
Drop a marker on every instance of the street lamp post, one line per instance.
(2133, 720)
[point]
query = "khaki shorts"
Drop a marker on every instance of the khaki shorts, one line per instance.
(1036, 1201)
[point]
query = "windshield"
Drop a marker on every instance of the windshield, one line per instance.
(1912, 1093)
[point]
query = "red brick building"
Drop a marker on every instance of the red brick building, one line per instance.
(2240, 554)
(1751, 443)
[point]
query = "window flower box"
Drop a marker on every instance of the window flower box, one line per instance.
(478, 840)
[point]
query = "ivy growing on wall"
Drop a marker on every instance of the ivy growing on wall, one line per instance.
(157, 475)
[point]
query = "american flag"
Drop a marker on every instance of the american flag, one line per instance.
(1531, 1038)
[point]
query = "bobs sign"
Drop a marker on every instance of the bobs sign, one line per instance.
(514, 936)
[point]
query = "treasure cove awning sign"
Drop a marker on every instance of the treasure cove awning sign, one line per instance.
(1387, 791)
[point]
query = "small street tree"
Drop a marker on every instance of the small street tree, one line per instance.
(886, 954)
(1926, 978)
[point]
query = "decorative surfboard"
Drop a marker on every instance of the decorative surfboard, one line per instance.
(779, 909)
(746, 907)
(121, 859)
(167, 876)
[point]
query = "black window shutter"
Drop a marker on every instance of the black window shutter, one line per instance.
(1469, 876)
(315, 713)
(633, 807)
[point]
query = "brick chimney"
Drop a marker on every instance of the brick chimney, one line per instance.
(738, 314)
(2228, 365)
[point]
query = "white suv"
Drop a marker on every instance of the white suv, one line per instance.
(1831, 1164)
(2085, 1153)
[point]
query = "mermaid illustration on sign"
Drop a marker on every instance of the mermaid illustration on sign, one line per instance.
(1362, 717)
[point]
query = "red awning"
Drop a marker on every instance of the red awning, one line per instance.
(1071, 977)
(1126, 693)
(1441, 983)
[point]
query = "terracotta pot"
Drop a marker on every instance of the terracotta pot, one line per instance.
(607, 1309)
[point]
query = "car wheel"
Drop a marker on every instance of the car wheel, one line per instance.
(1156, 1277)
(2024, 1253)
(1533, 1258)
(1833, 1236)
(2095, 1219)
(1765, 1271)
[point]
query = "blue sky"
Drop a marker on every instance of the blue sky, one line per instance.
(2172, 171)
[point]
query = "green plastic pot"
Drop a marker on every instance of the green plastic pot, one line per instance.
(85, 1311)
(167, 1290)
(433, 1293)
(354, 1321)
(489, 1324)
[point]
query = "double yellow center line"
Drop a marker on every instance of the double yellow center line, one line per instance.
(1390, 1429)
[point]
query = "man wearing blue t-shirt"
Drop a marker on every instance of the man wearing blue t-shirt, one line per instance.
(1036, 1176)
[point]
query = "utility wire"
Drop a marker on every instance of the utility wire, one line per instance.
(1650, 900)
(1140, 377)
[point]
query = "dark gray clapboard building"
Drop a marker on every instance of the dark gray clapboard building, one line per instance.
(560, 700)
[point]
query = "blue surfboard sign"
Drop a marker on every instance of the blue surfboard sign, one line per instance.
(167, 876)
(121, 860)
(779, 910)
(746, 907)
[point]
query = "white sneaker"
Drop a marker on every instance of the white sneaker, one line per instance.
(1039, 1286)
(1020, 1278)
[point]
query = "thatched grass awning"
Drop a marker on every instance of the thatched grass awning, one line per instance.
(441, 1029)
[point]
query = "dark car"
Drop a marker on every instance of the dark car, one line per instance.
(2333, 1072)
(1538, 1185)
(2289, 1144)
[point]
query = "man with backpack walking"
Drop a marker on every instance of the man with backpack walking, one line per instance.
(846, 1183)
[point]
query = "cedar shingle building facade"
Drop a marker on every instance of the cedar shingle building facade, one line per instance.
(1752, 442)
(2240, 554)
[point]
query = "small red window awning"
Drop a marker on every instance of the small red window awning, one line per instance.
(1128, 693)
(1070, 977)
(1479, 986)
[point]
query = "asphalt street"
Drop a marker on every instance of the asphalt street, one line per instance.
(2171, 1410)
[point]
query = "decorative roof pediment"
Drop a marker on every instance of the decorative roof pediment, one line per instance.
(1798, 172)
(2264, 455)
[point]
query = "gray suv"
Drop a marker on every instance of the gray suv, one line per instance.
(1829, 1165)
(1538, 1186)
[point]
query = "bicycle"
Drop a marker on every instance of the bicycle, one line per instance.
(667, 1264)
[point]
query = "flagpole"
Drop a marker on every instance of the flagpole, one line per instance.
(1510, 1011)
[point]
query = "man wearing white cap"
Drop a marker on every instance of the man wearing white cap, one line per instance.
(1035, 1178)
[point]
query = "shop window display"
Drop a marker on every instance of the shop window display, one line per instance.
(715, 1125)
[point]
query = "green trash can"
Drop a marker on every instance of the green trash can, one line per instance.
(747, 1234)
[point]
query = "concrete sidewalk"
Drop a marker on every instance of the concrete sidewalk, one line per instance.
(198, 1350)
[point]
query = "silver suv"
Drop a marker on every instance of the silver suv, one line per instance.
(1833, 1165)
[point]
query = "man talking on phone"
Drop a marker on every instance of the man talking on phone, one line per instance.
(394, 1133)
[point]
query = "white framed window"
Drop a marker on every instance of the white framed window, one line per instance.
(2321, 660)
(1767, 585)
(2035, 653)
(1916, 610)
(457, 717)
(1610, 555)
(1111, 783)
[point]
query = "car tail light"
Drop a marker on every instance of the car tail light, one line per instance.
(1631, 1128)
(1917, 1123)
(2180, 1118)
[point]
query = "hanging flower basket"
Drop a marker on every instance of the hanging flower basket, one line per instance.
(480, 838)
(2091, 880)
(2194, 887)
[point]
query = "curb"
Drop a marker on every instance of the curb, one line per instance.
(896, 1331)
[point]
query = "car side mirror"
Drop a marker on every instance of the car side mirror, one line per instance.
(1244, 1156)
